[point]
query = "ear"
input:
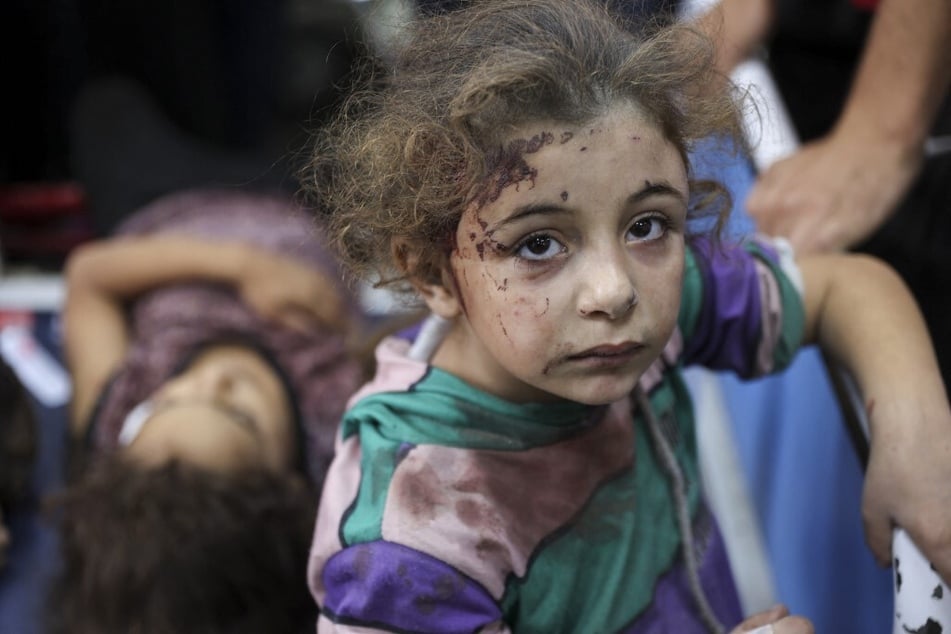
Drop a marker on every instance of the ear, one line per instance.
(441, 298)
(440, 295)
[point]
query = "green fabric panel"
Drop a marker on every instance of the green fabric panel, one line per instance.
(455, 414)
(691, 300)
(600, 543)
(377, 463)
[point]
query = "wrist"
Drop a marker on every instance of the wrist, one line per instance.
(234, 262)
(901, 137)
(884, 151)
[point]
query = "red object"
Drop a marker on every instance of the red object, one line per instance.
(42, 222)
(865, 5)
(10, 317)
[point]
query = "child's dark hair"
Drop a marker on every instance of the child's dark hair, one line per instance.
(177, 548)
(409, 154)
(18, 439)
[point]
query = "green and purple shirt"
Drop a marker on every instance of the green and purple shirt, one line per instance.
(447, 509)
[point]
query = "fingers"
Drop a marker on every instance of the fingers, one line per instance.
(778, 623)
(762, 208)
(777, 210)
(878, 529)
(762, 620)
(793, 625)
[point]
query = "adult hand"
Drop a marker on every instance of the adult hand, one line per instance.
(835, 192)
(776, 620)
(290, 292)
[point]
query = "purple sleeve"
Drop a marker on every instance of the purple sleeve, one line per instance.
(388, 585)
(735, 295)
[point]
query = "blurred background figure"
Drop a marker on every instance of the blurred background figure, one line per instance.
(17, 451)
(213, 305)
(205, 342)
(177, 548)
(106, 110)
(866, 84)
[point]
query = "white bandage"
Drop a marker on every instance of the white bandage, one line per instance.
(134, 421)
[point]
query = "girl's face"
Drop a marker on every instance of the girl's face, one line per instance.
(225, 411)
(566, 285)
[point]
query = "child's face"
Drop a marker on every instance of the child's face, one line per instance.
(227, 410)
(567, 285)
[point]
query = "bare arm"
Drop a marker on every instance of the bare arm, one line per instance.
(102, 277)
(904, 74)
(838, 190)
(860, 311)
(737, 27)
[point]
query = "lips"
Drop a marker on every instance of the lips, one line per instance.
(621, 351)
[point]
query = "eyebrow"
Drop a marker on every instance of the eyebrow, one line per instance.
(660, 188)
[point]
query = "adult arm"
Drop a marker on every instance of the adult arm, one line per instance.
(737, 28)
(102, 277)
(860, 312)
(836, 191)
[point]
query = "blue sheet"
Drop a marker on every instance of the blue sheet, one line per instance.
(31, 560)
(804, 475)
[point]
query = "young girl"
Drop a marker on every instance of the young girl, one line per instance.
(529, 464)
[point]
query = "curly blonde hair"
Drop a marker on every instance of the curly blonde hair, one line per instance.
(422, 140)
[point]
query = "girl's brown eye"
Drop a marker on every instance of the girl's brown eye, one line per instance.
(648, 228)
(642, 228)
(538, 245)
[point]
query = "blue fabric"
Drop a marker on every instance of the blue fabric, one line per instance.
(804, 475)
(32, 557)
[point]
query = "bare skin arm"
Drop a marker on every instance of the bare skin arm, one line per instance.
(102, 277)
(860, 311)
(737, 27)
(838, 190)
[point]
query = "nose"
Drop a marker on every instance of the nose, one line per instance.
(215, 382)
(607, 289)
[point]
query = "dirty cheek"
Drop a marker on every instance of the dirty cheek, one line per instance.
(528, 315)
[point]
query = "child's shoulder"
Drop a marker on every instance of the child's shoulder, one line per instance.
(396, 370)
(741, 307)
